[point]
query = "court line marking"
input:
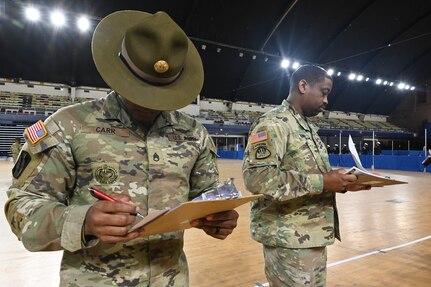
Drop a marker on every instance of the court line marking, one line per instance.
(365, 255)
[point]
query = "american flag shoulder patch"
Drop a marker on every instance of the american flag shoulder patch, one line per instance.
(258, 137)
(36, 132)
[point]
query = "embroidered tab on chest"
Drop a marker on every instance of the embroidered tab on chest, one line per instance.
(173, 137)
(111, 131)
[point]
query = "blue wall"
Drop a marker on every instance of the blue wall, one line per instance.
(230, 154)
(392, 162)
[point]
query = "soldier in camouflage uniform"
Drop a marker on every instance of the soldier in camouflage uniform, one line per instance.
(131, 145)
(15, 148)
(287, 162)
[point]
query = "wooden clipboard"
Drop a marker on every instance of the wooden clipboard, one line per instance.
(178, 218)
(367, 178)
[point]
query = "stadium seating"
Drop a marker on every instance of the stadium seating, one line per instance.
(238, 121)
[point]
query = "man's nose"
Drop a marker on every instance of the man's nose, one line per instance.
(325, 100)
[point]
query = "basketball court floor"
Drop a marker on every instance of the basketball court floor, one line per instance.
(386, 241)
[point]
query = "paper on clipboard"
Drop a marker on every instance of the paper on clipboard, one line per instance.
(365, 177)
(354, 153)
(179, 218)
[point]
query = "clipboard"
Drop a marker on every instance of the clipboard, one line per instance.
(365, 177)
(374, 180)
(179, 218)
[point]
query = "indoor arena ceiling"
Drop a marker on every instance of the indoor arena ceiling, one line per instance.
(242, 43)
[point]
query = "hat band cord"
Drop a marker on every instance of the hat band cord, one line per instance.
(141, 74)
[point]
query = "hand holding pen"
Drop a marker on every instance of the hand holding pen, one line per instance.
(97, 193)
(109, 219)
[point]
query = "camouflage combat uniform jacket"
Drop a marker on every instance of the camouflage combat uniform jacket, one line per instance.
(285, 160)
(97, 144)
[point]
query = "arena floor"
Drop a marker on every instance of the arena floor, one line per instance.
(386, 236)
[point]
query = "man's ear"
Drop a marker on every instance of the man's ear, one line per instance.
(302, 86)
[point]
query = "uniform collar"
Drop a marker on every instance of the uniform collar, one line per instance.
(114, 110)
(303, 121)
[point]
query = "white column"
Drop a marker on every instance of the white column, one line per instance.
(372, 165)
(425, 148)
(73, 94)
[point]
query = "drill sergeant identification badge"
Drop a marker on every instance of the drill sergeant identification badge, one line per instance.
(106, 174)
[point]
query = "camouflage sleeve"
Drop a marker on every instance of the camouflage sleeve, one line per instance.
(37, 208)
(263, 170)
(204, 175)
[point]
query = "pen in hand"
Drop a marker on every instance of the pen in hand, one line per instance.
(103, 196)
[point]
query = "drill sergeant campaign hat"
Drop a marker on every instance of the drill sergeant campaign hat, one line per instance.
(147, 59)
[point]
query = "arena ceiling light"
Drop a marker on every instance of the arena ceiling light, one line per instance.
(58, 19)
(32, 14)
(83, 24)
(285, 63)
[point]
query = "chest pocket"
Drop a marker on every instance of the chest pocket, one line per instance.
(302, 154)
(172, 157)
(170, 166)
(320, 157)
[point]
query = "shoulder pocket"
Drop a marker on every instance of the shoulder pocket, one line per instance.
(32, 153)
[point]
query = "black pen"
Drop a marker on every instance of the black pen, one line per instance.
(103, 196)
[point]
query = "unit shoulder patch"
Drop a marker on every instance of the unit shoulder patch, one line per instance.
(261, 151)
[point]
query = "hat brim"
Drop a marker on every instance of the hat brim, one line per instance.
(106, 43)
